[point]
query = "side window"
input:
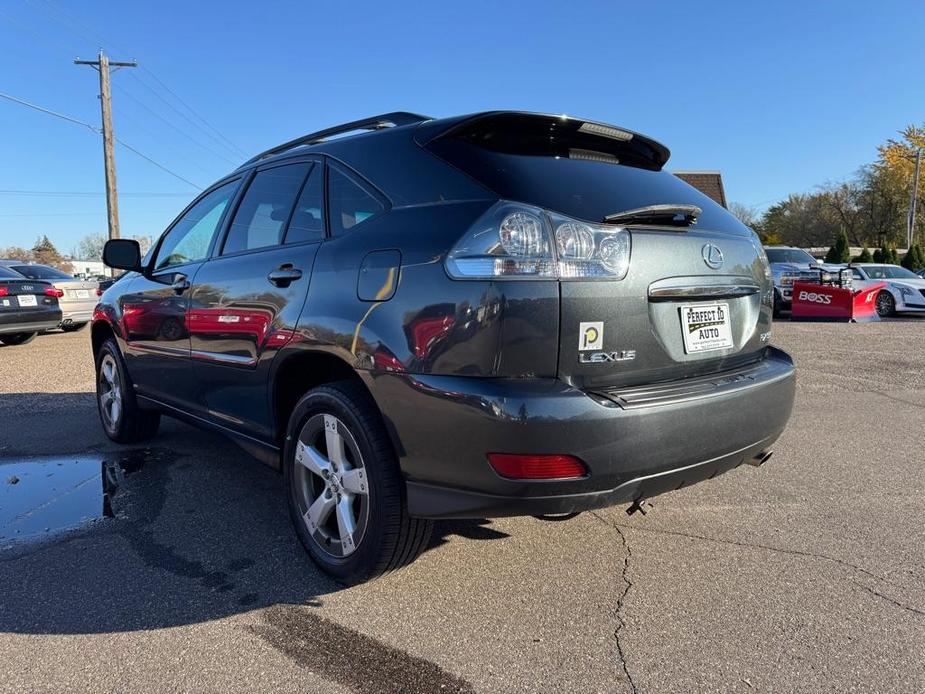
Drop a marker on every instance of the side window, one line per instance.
(856, 274)
(308, 219)
(349, 202)
(188, 240)
(264, 210)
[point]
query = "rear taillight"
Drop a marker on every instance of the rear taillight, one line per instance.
(537, 467)
(518, 241)
(4, 291)
(99, 292)
(54, 291)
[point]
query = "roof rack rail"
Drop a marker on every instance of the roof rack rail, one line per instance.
(385, 120)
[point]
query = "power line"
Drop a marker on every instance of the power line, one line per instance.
(194, 112)
(85, 194)
(174, 127)
(98, 131)
(221, 139)
(83, 31)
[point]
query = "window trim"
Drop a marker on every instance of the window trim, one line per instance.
(150, 268)
(359, 180)
(249, 179)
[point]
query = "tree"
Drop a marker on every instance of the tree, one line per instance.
(747, 215)
(44, 252)
(15, 253)
(914, 258)
(863, 257)
(144, 243)
(90, 247)
(840, 252)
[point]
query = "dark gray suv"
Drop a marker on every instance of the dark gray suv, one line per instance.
(412, 318)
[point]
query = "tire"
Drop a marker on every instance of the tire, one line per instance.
(73, 327)
(122, 419)
(13, 339)
(363, 482)
(885, 304)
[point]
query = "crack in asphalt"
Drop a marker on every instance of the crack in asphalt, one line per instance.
(751, 545)
(621, 599)
(893, 601)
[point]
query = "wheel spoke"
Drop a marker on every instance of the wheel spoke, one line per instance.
(319, 511)
(109, 372)
(354, 481)
(312, 460)
(115, 411)
(345, 524)
(334, 441)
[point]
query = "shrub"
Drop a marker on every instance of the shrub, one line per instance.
(840, 252)
(864, 257)
(915, 258)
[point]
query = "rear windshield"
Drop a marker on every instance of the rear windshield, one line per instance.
(788, 255)
(560, 173)
(41, 272)
(7, 274)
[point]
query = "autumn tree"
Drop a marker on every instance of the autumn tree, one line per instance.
(45, 253)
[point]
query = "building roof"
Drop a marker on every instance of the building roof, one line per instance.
(710, 183)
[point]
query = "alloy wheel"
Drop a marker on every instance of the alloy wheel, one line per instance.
(331, 485)
(110, 392)
(884, 304)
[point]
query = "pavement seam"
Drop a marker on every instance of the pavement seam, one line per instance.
(621, 599)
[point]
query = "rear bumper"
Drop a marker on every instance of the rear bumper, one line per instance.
(31, 326)
(77, 315)
(636, 442)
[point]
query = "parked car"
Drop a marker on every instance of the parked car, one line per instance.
(488, 315)
(79, 296)
(26, 308)
(789, 265)
(904, 291)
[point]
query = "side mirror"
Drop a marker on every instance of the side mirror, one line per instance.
(122, 254)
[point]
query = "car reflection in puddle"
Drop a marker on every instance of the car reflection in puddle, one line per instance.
(44, 496)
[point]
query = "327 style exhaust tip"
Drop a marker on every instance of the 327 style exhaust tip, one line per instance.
(760, 459)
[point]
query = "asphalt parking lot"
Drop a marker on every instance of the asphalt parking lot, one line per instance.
(807, 574)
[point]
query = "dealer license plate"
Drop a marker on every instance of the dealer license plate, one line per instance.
(27, 300)
(705, 327)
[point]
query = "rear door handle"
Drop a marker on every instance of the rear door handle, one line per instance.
(284, 275)
(180, 283)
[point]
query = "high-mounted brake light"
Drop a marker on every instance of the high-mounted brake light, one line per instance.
(54, 291)
(537, 467)
(517, 241)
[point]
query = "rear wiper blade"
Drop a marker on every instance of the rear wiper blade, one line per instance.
(672, 215)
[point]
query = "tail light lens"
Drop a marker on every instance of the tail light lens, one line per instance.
(4, 291)
(54, 291)
(519, 241)
(537, 467)
(99, 292)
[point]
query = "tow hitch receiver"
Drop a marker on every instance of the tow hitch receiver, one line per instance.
(637, 505)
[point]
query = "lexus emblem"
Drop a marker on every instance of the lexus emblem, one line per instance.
(712, 256)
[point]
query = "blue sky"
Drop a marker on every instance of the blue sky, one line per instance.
(779, 96)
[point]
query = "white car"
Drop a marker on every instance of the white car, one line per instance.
(904, 291)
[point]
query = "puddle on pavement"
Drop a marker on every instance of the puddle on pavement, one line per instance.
(46, 495)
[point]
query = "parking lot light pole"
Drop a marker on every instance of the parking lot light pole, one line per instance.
(910, 227)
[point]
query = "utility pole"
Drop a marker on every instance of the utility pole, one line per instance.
(103, 65)
(912, 199)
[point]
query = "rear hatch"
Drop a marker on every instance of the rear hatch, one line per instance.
(696, 298)
(76, 290)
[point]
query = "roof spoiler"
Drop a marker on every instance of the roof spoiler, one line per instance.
(385, 120)
(587, 138)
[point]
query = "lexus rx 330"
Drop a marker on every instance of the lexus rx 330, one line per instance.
(487, 315)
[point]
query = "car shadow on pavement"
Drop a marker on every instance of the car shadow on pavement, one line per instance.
(190, 528)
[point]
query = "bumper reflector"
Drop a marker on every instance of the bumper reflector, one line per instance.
(537, 467)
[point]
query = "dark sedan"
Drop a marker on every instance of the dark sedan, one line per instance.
(27, 307)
